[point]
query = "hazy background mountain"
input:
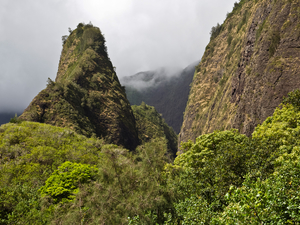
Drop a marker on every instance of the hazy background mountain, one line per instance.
(6, 116)
(165, 89)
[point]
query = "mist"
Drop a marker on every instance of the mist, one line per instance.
(151, 79)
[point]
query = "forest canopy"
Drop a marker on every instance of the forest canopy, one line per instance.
(52, 175)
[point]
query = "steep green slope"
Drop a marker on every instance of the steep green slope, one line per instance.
(167, 94)
(251, 62)
(151, 125)
(86, 95)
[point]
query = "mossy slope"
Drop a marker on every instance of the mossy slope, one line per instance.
(251, 62)
(86, 95)
(151, 125)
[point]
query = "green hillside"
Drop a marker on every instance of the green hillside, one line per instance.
(51, 175)
(151, 125)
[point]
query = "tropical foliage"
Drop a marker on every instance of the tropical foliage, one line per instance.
(228, 178)
(53, 175)
(151, 125)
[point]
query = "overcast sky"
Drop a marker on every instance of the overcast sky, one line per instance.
(140, 35)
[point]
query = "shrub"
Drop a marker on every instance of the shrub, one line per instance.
(64, 39)
(215, 31)
(79, 30)
(15, 119)
(230, 26)
(259, 30)
(293, 98)
(64, 182)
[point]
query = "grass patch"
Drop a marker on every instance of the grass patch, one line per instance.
(260, 28)
(243, 21)
(229, 39)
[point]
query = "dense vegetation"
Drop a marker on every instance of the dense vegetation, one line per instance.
(52, 175)
(228, 178)
(151, 125)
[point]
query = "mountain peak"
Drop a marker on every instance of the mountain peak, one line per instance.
(86, 95)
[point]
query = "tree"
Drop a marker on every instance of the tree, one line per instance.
(64, 39)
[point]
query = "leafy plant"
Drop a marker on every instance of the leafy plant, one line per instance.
(293, 98)
(63, 183)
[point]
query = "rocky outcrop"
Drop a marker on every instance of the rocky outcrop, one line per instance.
(86, 95)
(246, 70)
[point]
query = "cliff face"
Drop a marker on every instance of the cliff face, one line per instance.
(86, 95)
(168, 95)
(250, 64)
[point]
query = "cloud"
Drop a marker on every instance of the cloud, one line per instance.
(140, 35)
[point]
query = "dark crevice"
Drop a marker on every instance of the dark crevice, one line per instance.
(278, 77)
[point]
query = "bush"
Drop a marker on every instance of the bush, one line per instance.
(203, 173)
(271, 201)
(15, 119)
(293, 98)
(79, 30)
(259, 30)
(63, 184)
(64, 39)
(215, 31)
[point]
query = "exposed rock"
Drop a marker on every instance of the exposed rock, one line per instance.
(258, 49)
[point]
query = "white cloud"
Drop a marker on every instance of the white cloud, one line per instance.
(140, 35)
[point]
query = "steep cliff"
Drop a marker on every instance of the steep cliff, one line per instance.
(250, 64)
(168, 94)
(86, 95)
